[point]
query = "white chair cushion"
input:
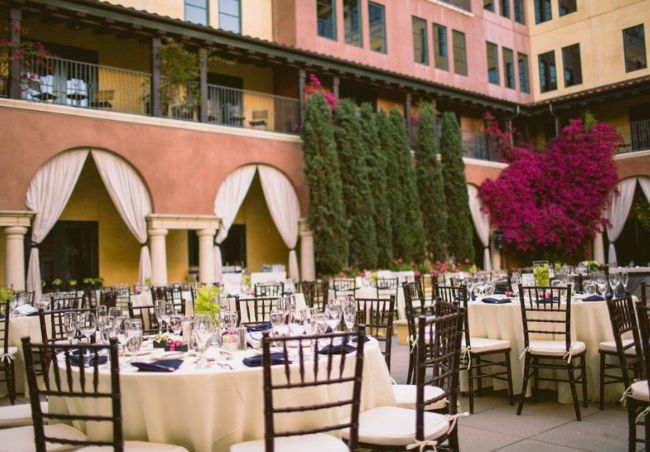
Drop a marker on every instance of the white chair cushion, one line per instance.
(137, 446)
(610, 346)
(405, 396)
(483, 345)
(18, 415)
(393, 426)
(11, 351)
(312, 443)
(555, 348)
(640, 391)
(21, 439)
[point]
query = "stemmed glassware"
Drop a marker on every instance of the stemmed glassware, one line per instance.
(202, 331)
(159, 313)
(70, 325)
(176, 323)
(105, 323)
(589, 286)
(333, 315)
(614, 280)
(296, 323)
(515, 282)
(350, 314)
(166, 311)
(87, 324)
(133, 333)
(601, 283)
(278, 325)
(624, 279)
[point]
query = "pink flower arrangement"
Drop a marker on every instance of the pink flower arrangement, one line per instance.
(551, 201)
(173, 344)
(314, 86)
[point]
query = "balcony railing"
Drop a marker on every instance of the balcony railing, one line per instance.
(462, 4)
(478, 145)
(84, 85)
(636, 137)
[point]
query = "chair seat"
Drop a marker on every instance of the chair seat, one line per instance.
(555, 348)
(610, 347)
(405, 396)
(18, 415)
(11, 351)
(484, 345)
(21, 439)
(639, 391)
(136, 446)
(311, 443)
(393, 426)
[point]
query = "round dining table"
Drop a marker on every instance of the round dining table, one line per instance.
(209, 409)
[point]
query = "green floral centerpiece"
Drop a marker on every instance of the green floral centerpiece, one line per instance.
(203, 303)
(6, 294)
(542, 275)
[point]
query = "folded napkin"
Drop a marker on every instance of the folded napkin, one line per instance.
(162, 365)
(89, 360)
(593, 298)
(336, 349)
(258, 360)
(496, 300)
(262, 326)
(365, 339)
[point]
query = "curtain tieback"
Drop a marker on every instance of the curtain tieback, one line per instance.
(34, 244)
(7, 357)
(143, 245)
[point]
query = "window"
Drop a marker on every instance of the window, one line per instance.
(524, 84)
(326, 17)
(493, 63)
(509, 68)
(229, 15)
(196, 11)
(505, 8)
(420, 41)
(567, 7)
(634, 47)
(352, 22)
(571, 64)
(460, 53)
(542, 11)
(547, 72)
(489, 5)
(377, 26)
(520, 11)
(440, 47)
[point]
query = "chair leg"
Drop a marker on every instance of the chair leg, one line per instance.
(470, 383)
(409, 375)
(12, 394)
(583, 371)
(601, 402)
(536, 380)
(574, 392)
(646, 439)
(509, 370)
(478, 373)
(631, 425)
(524, 385)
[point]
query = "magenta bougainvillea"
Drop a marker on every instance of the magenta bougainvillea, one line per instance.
(550, 201)
(314, 85)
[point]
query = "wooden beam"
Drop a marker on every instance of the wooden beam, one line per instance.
(15, 19)
(302, 76)
(203, 83)
(336, 83)
(156, 102)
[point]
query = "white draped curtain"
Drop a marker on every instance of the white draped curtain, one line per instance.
(131, 198)
(617, 212)
(226, 205)
(47, 196)
(283, 204)
(645, 186)
(481, 223)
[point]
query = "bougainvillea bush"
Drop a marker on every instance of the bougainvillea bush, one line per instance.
(550, 201)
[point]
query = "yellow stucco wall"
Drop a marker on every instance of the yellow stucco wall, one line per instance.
(597, 26)
(263, 242)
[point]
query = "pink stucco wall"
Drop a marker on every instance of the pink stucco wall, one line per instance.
(483, 26)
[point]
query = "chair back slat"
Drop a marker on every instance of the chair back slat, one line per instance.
(269, 290)
(622, 316)
(344, 286)
(4, 326)
(546, 312)
(316, 293)
(643, 317)
(147, 317)
(456, 295)
(255, 310)
(377, 314)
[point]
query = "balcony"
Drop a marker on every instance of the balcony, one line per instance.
(83, 85)
(636, 137)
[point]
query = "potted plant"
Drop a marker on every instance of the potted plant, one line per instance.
(179, 71)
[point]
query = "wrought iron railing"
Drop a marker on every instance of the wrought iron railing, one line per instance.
(462, 4)
(636, 136)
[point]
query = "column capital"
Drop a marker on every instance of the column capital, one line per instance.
(303, 228)
(15, 230)
(206, 232)
(158, 232)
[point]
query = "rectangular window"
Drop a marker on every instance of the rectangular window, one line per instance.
(493, 63)
(571, 64)
(567, 7)
(460, 52)
(505, 8)
(440, 47)
(196, 11)
(520, 11)
(326, 17)
(489, 5)
(377, 26)
(543, 11)
(230, 15)
(634, 48)
(352, 22)
(509, 68)
(420, 41)
(547, 71)
(524, 84)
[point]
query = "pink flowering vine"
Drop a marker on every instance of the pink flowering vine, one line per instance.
(551, 201)
(314, 86)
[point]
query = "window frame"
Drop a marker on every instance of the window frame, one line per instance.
(519, 11)
(332, 4)
(551, 85)
(626, 51)
(488, 46)
(559, 7)
(541, 10)
(565, 52)
(438, 45)
(488, 5)
(384, 35)
(459, 34)
(206, 9)
(524, 72)
(230, 15)
(509, 77)
(504, 12)
(359, 40)
(425, 40)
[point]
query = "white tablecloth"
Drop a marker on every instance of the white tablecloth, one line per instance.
(371, 292)
(268, 277)
(211, 409)
(20, 327)
(589, 324)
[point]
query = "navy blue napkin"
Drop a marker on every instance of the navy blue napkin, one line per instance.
(258, 360)
(365, 339)
(258, 327)
(336, 349)
(162, 365)
(75, 359)
(593, 298)
(496, 300)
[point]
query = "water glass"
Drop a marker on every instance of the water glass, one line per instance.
(87, 324)
(601, 282)
(176, 323)
(105, 324)
(350, 315)
(296, 323)
(202, 332)
(614, 280)
(624, 279)
(278, 325)
(589, 286)
(515, 282)
(133, 333)
(70, 325)
(333, 315)
(102, 310)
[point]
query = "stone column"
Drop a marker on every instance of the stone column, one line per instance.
(158, 245)
(307, 264)
(496, 257)
(206, 255)
(599, 248)
(15, 257)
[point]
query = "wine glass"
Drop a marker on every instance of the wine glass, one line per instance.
(102, 310)
(601, 283)
(202, 331)
(614, 281)
(105, 324)
(350, 315)
(624, 279)
(70, 325)
(278, 326)
(471, 286)
(176, 323)
(228, 319)
(515, 282)
(166, 311)
(133, 333)
(333, 315)
(159, 313)
(87, 324)
(488, 288)
(589, 287)
(296, 323)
